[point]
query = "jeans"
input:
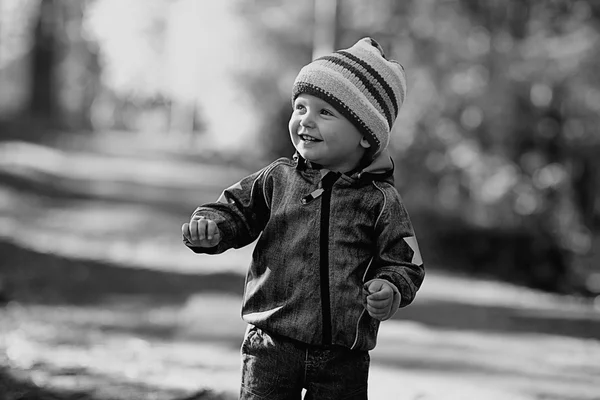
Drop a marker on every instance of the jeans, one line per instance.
(278, 368)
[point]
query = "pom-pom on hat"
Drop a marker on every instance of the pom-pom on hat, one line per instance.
(362, 84)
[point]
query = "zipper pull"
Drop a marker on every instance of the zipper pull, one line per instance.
(310, 197)
(326, 184)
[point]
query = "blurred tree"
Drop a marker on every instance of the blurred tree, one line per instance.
(326, 20)
(495, 144)
(17, 26)
(282, 35)
(48, 62)
(77, 75)
(43, 96)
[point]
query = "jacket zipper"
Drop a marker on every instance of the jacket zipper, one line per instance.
(327, 185)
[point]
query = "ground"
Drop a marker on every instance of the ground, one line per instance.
(101, 300)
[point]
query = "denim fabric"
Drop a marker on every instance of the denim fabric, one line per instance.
(277, 368)
(281, 205)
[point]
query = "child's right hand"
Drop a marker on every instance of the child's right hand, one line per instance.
(201, 232)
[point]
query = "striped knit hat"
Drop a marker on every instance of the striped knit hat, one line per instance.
(362, 84)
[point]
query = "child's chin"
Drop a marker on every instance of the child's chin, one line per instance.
(303, 153)
(308, 157)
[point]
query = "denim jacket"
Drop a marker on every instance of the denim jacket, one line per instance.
(319, 241)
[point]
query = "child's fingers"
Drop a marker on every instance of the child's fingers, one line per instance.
(379, 303)
(384, 294)
(379, 299)
(211, 229)
(202, 229)
(194, 230)
(379, 309)
(374, 286)
(377, 313)
(379, 286)
(185, 230)
(199, 227)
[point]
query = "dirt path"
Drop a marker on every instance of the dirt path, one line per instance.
(105, 303)
(172, 335)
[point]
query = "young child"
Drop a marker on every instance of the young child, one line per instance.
(336, 252)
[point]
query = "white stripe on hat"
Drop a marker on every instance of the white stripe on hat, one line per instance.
(339, 86)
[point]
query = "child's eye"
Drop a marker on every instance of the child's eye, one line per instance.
(326, 112)
(300, 107)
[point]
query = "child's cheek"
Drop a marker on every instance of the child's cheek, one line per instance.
(293, 125)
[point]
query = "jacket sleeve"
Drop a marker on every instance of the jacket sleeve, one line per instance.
(397, 256)
(241, 213)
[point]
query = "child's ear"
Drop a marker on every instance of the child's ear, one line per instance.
(365, 143)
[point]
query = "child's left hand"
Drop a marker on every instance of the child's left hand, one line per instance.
(380, 298)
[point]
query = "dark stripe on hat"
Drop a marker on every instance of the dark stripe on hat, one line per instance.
(365, 81)
(304, 87)
(375, 75)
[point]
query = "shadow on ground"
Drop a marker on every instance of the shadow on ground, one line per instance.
(49, 279)
(32, 278)
(13, 386)
(499, 319)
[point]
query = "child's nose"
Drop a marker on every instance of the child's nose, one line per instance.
(307, 120)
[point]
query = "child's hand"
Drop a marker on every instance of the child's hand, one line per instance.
(380, 299)
(201, 232)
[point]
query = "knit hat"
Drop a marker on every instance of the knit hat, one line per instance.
(362, 84)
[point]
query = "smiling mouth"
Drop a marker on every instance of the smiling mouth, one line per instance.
(307, 138)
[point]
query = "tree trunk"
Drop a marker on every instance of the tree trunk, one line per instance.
(326, 15)
(42, 100)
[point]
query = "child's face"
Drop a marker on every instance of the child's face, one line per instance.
(324, 136)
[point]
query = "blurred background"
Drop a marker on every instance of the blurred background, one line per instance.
(118, 118)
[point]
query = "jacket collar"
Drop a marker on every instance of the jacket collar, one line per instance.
(379, 169)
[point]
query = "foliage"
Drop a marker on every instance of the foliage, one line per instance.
(498, 131)
(498, 128)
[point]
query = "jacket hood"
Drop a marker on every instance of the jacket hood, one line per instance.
(381, 168)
